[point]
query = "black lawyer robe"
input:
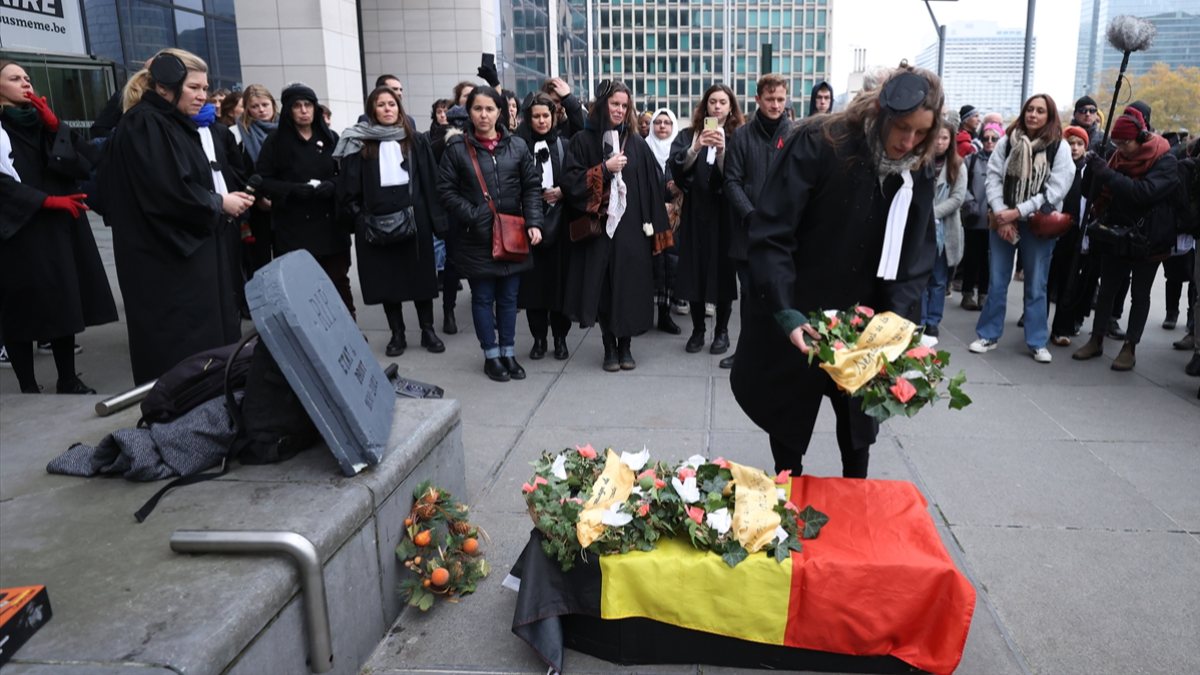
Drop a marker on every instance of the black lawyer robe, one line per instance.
(815, 242)
(286, 163)
(613, 279)
(394, 272)
(705, 272)
(170, 238)
(542, 286)
(52, 280)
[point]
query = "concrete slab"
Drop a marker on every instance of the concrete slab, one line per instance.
(655, 353)
(1105, 414)
(998, 415)
(626, 399)
(487, 446)
(1166, 474)
(1093, 601)
(1037, 483)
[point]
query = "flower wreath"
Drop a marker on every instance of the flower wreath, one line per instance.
(441, 551)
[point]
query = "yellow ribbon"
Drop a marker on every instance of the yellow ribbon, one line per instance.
(612, 487)
(754, 516)
(885, 338)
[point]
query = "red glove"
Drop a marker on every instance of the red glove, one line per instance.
(72, 203)
(49, 119)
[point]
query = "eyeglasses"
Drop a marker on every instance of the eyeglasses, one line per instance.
(1087, 111)
(662, 121)
(990, 139)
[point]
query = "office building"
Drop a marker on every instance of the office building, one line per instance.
(1176, 44)
(982, 66)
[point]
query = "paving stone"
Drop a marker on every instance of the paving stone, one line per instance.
(627, 399)
(1100, 414)
(1166, 474)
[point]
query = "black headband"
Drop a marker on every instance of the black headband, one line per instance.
(904, 93)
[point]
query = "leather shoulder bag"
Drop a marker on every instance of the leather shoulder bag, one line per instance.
(510, 243)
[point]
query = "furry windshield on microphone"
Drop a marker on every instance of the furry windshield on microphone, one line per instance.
(1131, 33)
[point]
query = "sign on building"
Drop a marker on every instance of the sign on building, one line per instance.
(42, 25)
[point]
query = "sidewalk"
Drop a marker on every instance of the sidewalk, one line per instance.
(1067, 492)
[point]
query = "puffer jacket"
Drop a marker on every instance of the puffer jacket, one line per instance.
(514, 183)
(1146, 200)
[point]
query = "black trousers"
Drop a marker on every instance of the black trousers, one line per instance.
(974, 265)
(1178, 270)
(1117, 274)
(337, 266)
(542, 321)
(778, 389)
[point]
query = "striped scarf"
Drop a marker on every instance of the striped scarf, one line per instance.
(1026, 170)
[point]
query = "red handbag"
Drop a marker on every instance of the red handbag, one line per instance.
(510, 242)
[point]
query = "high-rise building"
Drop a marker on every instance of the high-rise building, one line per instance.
(670, 51)
(982, 66)
(1178, 23)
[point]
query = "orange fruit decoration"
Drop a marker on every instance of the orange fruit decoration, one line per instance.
(440, 577)
(422, 538)
(470, 546)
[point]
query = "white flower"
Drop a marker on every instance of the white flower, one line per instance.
(636, 461)
(694, 461)
(687, 490)
(831, 313)
(719, 520)
(911, 375)
(782, 494)
(781, 535)
(637, 490)
(614, 516)
(559, 467)
(648, 228)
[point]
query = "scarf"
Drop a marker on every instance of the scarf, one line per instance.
(661, 147)
(206, 116)
(618, 192)
(897, 218)
(255, 134)
(22, 116)
(210, 151)
(1139, 165)
(351, 140)
(1027, 168)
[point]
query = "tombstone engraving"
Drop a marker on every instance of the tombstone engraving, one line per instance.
(324, 357)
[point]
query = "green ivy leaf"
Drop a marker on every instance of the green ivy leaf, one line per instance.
(426, 602)
(813, 520)
(734, 554)
(715, 484)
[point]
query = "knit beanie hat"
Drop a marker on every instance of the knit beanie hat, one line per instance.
(1077, 132)
(965, 112)
(297, 92)
(1127, 126)
(1143, 108)
(992, 126)
(1084, 101)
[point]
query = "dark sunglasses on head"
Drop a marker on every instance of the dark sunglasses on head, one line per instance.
(1090, 111)
(990, 139)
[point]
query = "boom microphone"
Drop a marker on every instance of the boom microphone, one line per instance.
(1131, 33)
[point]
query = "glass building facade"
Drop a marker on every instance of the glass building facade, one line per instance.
(128, 32)
(982, 66)
(1176, 44)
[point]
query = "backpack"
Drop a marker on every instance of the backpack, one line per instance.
(194, 380)
(271, 423)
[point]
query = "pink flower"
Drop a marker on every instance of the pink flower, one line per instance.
(866, 311)
(659, 483)
(643, 509)
(856, 321)
(577, 500)
(648, 473)
(721, 462)
(791, 507)
(696, 514)
(586, 451)
(783, 477)
(919, 352)
(686, 472)
(538, 480)
(903, 390)
(833, 322)
(527, 488)
(839, 345)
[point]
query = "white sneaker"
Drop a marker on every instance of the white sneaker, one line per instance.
(710, 309)
(1041, 355)
(983, 345)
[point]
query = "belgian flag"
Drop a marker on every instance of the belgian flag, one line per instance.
(875, 592)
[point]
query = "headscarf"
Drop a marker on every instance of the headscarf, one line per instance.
(302, 92)
(662, 147)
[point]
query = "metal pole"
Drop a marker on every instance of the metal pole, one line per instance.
(589, 89)
(552, 19)
(121, 401)
(1027, 64)
(941, 49)
(302, 552)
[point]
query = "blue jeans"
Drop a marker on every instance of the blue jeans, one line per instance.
(494, 306)
(933, 298)
(1035, 254)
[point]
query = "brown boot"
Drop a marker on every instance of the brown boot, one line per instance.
(1091, 349)
(1126, 359)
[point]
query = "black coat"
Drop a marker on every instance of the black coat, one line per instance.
(299, 220)
(613, 278)
(575, 119)
(705, 272)
(815, 244)
(515, 185)
(542, 286)
(394, 272)
(974, 209)
(1125, 200)
(170, 239)
(747, 156)
(52, 281)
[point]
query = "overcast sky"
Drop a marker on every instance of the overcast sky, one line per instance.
(894, 29)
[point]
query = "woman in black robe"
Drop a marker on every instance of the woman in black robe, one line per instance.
(610, 276)
(706, 274)
(298, 171)
(52, 281)
(817, 242)
(386, 168)
(541, 292)
(168, 220)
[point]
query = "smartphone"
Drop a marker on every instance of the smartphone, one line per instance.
(489, 59)
(710, 123)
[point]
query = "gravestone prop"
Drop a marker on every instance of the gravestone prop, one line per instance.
(322, 353)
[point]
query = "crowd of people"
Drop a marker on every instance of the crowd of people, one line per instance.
(624, 214)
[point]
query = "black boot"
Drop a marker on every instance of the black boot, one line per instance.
(73, 385)
(395, 318)
(610, 354)
(665, 323)
(449, 325)
(494, 368)
(695, 343)
(561, 353)
(720, 343)
(515, 371)
(538, 351)
(431, 342)
(625, 354)
(727, 362)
